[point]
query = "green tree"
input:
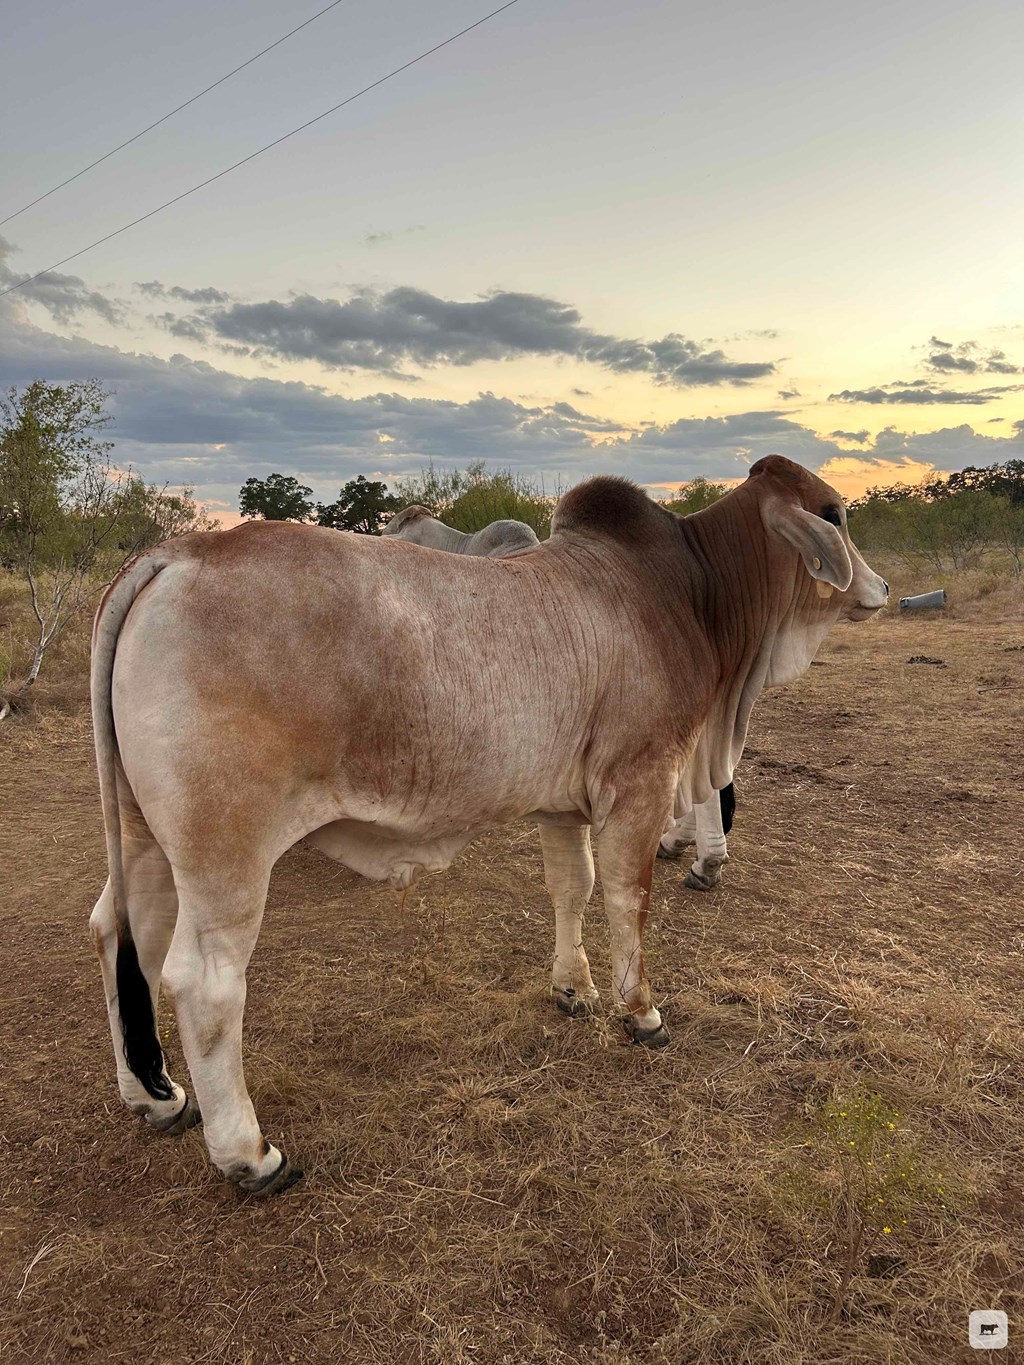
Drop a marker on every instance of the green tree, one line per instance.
(278, 497)
(363, 505)
(694, 496)
(149, 514)
(470, 499)
(61, 504)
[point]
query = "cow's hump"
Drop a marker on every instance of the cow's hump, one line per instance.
(608, 505)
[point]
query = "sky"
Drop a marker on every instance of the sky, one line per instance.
(660, 240)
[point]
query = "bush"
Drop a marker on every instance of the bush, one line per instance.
(471, 499)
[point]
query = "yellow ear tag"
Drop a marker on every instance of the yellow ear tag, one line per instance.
(824, 589)
(816, 562)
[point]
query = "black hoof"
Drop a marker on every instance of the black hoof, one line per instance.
(671, 853)
(577, 1006)
(652, 1037)
(186, 1117)
(278, 1181)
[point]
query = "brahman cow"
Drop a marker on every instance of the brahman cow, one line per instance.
(256, 686)
(706, 828)
(419, 526)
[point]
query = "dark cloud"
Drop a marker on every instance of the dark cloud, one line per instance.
(153, 289)
(185, 421)
(63, 296)
(186, 328)
(998, 364)
(1018, 428)
(918, 391)
(383, 332)
(968, 357)
(859, 436)
(581, 393)
(947, 361)
(786, 394)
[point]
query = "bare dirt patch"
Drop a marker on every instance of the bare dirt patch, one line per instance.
(488, 1181)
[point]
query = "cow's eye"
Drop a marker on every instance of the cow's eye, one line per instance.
(834, 515)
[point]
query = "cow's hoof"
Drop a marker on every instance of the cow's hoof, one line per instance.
(275, 1183)
(703, 881)
(671, 853)
(176, 1124)
(651, 1037)
(573, 1004)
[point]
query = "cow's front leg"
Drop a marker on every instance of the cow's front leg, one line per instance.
(627, 850)
(218, 922)
(569, 877)
(712, 849)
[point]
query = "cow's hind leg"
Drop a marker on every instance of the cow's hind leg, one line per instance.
(712, 847)
(218, 923)
(569, 876)
(152, 910)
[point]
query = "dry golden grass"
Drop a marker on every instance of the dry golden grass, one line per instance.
(490, 1182)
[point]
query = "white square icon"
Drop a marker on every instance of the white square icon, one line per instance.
(988, 1329)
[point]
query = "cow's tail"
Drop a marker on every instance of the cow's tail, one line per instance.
(727, 800)
(141, 1045)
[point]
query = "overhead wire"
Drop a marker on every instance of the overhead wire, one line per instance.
(252, 155)
(163, 119)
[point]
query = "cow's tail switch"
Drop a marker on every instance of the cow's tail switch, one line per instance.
(141, 1045)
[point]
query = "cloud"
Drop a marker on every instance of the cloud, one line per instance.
(187, 422)
(153, 289)
(786, 394)
(859, 436)
(63, 296)
(966, 358)
(918, 391)
(375, 238)
(384, 331)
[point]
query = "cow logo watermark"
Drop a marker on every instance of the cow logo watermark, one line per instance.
(988, 1329)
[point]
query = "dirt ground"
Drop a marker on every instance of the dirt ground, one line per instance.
(488, 1181)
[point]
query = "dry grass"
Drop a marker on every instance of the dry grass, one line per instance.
(490, 1182)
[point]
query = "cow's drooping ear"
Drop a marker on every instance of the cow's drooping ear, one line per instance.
(818, 542)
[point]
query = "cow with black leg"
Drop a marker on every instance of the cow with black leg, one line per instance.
(248, 692)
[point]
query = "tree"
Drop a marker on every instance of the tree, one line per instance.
(149, 514)
(1001, 480)
(470, 499)
(278, 497)
(61, 503)
(363, 506)
(1009, 530)
(695, 496)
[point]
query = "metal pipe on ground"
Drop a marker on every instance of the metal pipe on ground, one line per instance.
(924, 600)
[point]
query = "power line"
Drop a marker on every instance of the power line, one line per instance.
(128, 142)
(252, 155)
